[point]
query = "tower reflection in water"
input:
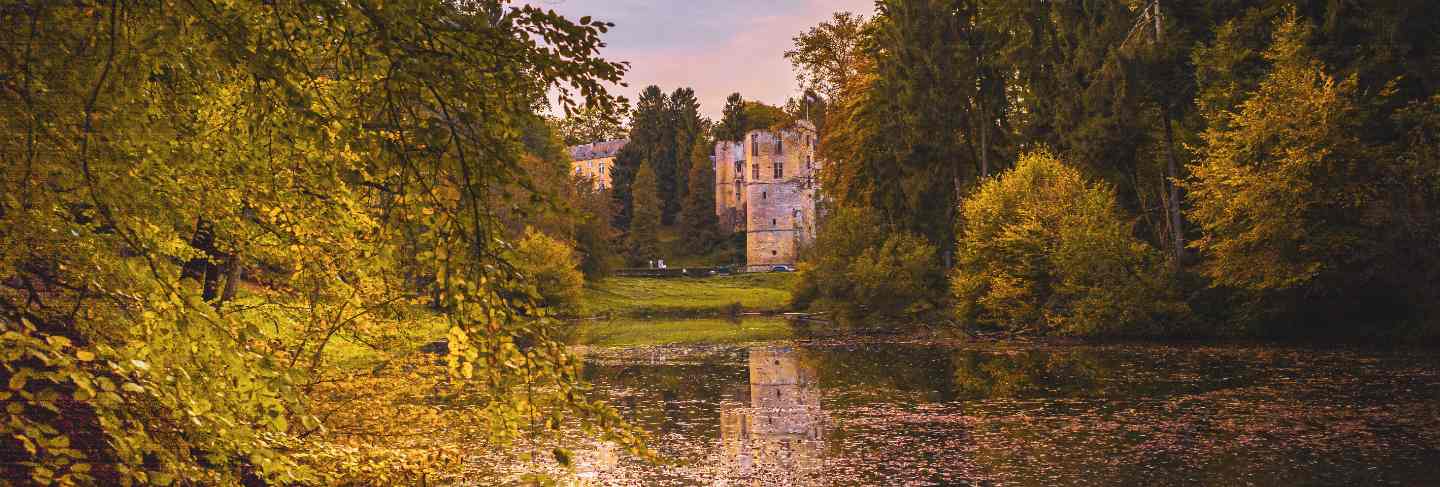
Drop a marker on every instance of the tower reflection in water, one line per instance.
(773, 436)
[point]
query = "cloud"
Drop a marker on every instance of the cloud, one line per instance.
(715, 47)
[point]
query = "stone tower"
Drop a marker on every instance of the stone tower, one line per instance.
(779, 192)
(730, 185)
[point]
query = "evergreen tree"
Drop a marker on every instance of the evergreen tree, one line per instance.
(686, 124)
(642, 242)
(901, 146)
(1296, 205)
(700, 224)
(732, 125)
(651, 139)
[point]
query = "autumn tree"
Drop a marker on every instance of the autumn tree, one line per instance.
(827, 56)
(1293, 201)
(339, 157)
(1044, 251)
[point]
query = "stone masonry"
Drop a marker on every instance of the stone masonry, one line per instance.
(766, 186)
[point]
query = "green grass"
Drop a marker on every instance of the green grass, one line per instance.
(631, 333)
(693, 297)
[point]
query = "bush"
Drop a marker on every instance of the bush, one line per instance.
(1044, 252)
(551, 266)
(865, 272)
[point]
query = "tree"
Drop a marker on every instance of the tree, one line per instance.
(642, 242)
(699, 222)
(595, 238)
(338, 156)
(550, 266)
(687, 127)
(1303, 201)
(827, 56)
(900, 144)
(589, 125)
(810, 106)
(732, 122)
(867, 273)
(1045, 252)
(651, 139)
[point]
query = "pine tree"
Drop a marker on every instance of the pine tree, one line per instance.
(642, 243)
(733, 123)
(685, 125)
(700, 224)
(650, 141)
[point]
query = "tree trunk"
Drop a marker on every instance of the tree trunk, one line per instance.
(232, 277)
(204, 241)
(1172, 203)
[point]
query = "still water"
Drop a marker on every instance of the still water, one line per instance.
(894, 412)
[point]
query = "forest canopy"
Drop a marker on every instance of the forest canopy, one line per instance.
(198, 198)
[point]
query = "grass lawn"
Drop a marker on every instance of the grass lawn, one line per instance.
(630, 333)
(712, 296)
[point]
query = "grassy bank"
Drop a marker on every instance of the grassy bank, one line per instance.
(686, 297)
(636, 333)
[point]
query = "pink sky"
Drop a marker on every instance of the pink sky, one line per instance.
(715, 47)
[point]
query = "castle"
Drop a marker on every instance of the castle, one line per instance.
(765, 185)
(595, 160)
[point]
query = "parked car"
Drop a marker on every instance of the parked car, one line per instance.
(782, 268)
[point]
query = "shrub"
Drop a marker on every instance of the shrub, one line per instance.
(1042, 251)
(864, 271)
(551, 266)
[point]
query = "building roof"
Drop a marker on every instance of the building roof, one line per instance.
(597, 150)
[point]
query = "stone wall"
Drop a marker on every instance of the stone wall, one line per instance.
(780, 202)
(730, 186)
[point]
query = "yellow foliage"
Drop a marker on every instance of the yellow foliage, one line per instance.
(1045, 252)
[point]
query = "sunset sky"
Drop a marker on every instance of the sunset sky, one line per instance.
(715, 47)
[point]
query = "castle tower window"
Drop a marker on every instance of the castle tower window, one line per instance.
(755, 171)
(779, 170)
(780, 144)
(773, 222)
(740, 169)
(755, 145)
(763, 195)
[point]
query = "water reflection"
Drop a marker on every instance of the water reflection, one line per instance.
(772, 433)
(866, 413)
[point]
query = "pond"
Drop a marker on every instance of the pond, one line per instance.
(838, 411)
